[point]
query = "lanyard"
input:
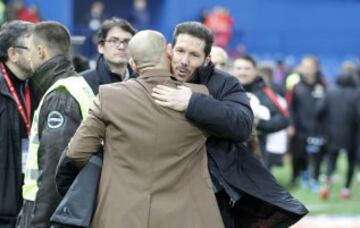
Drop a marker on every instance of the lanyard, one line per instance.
(20, 107)
(271, 95)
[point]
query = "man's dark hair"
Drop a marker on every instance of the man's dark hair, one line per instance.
(197, 30)
(107, 25)
(54, 35)
(249, 59)
(11, 35)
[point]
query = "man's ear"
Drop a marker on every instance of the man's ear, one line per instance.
(100, 48)
(169, 51)
(42, 52)
(12, 54)
(133, 65)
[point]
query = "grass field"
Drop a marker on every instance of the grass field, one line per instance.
(334, 205)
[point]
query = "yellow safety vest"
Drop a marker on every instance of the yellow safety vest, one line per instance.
(292, 80)
(81, 91)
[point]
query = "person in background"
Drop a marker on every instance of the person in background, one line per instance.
(266, 71)
(15, 116)
(245, 70)
(307, 142)
(220, 22)
(140, 15)
(93, 19)
(219, 57)
(341, 128)
(276, 143)
(112, 65)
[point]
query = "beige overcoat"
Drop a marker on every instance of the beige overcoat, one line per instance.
(155, 171)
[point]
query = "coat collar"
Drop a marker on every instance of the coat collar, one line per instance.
(155, 73)
(255, 85)
(3, 88)
(48, 73)
(106, 76)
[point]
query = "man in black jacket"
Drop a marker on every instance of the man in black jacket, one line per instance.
(245, 70)
(112, 65)
(341, 128)
(306, 95)
(247, 193)
(58, 116)
(15, 123)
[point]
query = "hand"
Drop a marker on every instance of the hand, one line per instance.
(173, 98)
(291, 131)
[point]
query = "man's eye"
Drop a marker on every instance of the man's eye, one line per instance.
(195, 55)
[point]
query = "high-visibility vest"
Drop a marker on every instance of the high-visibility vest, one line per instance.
(81, 91)
(292, 80)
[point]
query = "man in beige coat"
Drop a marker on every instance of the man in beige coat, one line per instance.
(155, 166)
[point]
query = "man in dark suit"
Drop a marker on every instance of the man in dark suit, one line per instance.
(247, 194)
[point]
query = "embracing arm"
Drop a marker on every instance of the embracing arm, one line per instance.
(227, 116)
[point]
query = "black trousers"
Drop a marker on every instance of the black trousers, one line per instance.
(299, 158)
(302, 161)
(351, 161)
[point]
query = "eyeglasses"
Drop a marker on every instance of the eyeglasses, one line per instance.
(21, 47)
(114, 42)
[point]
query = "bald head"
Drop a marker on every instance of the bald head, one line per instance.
(219, 57)
(148, 49)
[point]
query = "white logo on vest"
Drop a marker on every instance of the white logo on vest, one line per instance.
(55, 119)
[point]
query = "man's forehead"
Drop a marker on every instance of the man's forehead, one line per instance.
(243, 62)
(118, 33)
(188, 38)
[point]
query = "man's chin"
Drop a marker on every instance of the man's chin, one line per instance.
(180, 77)
(119, 62)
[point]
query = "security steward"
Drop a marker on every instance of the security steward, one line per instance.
(63, 99)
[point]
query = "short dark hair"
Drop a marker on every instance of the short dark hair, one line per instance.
(107, 25)
(249, 59)
(197, 30)
(54, 35)
(11, 34)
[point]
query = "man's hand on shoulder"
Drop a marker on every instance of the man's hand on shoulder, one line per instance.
(174, 98)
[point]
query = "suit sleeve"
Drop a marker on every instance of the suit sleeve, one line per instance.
(88, 138)
(59, 118)
(225, 115)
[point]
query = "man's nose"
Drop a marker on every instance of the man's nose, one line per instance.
(185, 60)
(121, 46)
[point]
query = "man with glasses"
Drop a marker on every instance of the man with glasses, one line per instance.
(112, 65)
(15, 112)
